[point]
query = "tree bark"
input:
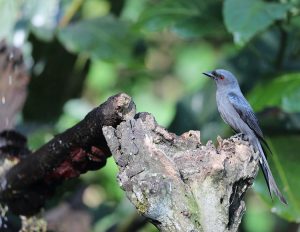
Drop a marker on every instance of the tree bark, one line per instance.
(26, 186)
(178, 183)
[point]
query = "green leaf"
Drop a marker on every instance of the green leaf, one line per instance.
(257, 217)
(190, 63)
(244, 18)
(102, 38)
(166, 14)
(188, 19)
(162, 109)
(282, 92)
(8, 17)
(284, 163)
(104, 79)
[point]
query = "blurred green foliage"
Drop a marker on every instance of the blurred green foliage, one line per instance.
(282, 92)
(253, 17)
(101, 38)
(82, 51)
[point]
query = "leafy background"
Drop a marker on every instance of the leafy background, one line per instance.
(79, 52)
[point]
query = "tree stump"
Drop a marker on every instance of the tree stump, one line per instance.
(178, 183)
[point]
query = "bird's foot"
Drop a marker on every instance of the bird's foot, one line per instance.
(241, 136)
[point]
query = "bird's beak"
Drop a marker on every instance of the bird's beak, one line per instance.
(209, 74)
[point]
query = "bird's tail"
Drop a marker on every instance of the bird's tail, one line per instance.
(272, 186)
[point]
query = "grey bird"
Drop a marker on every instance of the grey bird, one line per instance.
(238, 114)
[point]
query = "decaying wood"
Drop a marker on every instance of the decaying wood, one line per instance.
(26, 186)
(177, 182)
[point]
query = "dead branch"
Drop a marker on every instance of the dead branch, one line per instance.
(25, 187)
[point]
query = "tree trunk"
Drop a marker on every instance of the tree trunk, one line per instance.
(178, 183)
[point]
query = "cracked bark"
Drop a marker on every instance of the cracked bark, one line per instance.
(178, 183)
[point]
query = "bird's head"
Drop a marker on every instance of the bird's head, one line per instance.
(222, 77)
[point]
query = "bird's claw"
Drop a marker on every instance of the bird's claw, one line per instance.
(241, 136)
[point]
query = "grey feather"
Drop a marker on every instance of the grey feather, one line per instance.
(237, 112)
(245, 111)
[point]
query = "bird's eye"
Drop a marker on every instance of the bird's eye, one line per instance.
(221, 77)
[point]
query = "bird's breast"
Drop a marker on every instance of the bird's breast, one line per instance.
(227, 111)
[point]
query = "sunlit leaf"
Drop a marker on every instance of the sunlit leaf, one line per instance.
(188, 19)
(191, 62)
(166, 13)
(104, 38)
(95, 8)
(162, 109)
(282, 92)
(244, 19)
(101, 76)
(133, 9)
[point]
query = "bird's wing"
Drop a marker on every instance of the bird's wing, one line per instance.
(246, 113)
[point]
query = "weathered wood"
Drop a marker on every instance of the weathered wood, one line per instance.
(27, 185)
(177, 182)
